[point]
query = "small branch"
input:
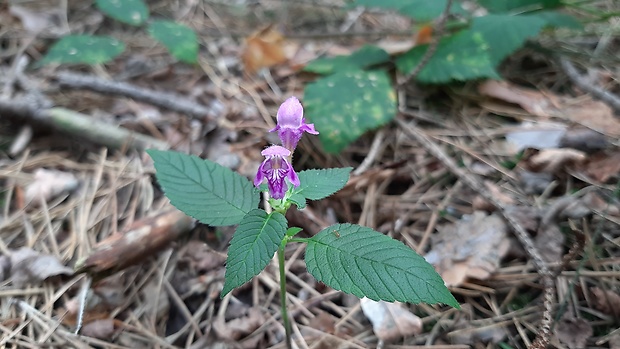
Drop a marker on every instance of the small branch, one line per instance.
(439, 29)
(165, 100)
(372, 153)
(583, 83)
(77, 125)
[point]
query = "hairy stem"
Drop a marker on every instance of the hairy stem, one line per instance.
(285, 318)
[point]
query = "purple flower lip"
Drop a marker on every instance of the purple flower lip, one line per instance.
(276, 169)
(291, 123)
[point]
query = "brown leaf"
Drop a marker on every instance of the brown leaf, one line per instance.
(263, 49)
(390, 321)
(424, 35)
(323, 322)
(583, 110)
(32, 267)
(604, 167)
(239, 327)
(607, 301)
(573, 332)
(472, 247)
(48, 184)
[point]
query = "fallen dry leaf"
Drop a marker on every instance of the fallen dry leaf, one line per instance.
(473, 247)
(481, 204)
(604, 167)
(390, 321)
(102, 329)
(48, 184)
(584, 110)
(607, 301)
(323, 322)
(239, 327)
(553, 160)
(263, 49)
(36, 22)
(32, 267)
(572, 331)
(424, 35)
(540, 135)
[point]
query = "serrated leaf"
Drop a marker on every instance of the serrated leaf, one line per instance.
(462, 56)
(87, 49)
(203, 189)
(180, 40)
(298, 200)
(366, 263)
(134, 12)
(504, 34)
(502, 6)
(319, 184)
(345, 105)
(365, 57)
(255, 242)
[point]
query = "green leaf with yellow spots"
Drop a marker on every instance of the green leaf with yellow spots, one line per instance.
(180, 40)
(345, 105)
(462, 56)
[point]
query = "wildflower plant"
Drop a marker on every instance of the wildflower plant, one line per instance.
(347, 257)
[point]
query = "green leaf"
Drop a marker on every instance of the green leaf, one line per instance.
(298, 200)
(462, 56)
(366, 263)
(209, 192)
(558, 20)
(365, 57)
(420, 10)
(345, 105)
(319, 184)
(88, 49)
(505, 33)
(180, 40)
(132, 12)
(502, 6)
(255, 241)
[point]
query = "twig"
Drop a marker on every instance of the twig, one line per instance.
(165, 100)
(372, 153)
(78, 125)
(583, 83)
(430, 51)
(521, 233)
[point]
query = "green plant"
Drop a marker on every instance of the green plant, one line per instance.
(346, 257)
(472, 50)
(179, 40)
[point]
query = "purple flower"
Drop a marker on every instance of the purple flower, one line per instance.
(276, 169)
(291, 123)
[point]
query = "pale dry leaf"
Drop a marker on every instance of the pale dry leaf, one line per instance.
(604, 167)
(606, 301)
(550, 243)
(573, 332)
(265, 48)
(102, 329)
(48, 184)
(614, 341)
(553, 160)
(585, 111)
(390, 321)
(239, 327)
(36, 22)
(540, 135)
(32, 267)
(473, 247)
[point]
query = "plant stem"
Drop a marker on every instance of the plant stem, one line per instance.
(285, 318)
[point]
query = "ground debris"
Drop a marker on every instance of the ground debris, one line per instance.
(390, 321)
(28, 266)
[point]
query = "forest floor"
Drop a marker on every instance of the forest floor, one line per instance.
(89, 242)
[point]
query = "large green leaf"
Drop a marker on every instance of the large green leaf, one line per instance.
(504, 34)
(88, 49)
(203, 189)
(255, 241)
(180, 40)
(500, 6)
(462, 56)
(133, 12)
(319, 184)
(558, 20)
(345, 105)
(365, 57)
(366, 263)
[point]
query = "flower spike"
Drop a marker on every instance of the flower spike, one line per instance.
(276, 168)
(291, 123)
